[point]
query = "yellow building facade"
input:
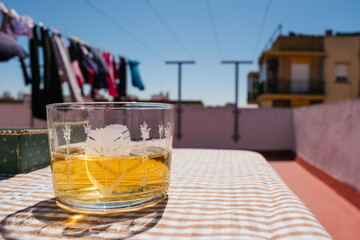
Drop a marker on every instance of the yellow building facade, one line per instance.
(302, 70)
(342, 67)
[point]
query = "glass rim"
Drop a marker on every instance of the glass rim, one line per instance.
(111, 105)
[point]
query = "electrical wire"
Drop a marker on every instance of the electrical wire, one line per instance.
(262, 26)
(214, 29)
(120, 27)
(169, 29)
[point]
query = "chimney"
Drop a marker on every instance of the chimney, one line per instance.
(328, 32)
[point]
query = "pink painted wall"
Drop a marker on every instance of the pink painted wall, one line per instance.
(16, 115)
(328, 136)
(259, 129)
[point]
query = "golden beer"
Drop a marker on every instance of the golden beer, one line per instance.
(110, 156)
(85, 179)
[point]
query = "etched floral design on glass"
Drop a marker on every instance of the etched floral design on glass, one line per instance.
(103, 164)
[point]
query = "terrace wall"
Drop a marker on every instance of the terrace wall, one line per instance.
(18, 115)
(328, 137)
(259, 129)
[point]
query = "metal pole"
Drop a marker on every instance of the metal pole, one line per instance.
(179, 110)
(236, 135)
(236, 112)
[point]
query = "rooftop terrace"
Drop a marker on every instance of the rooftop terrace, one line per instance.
(324, 139)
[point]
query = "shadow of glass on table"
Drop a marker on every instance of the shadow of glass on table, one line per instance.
(46, 219)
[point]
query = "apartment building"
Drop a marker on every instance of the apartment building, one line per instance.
(300, 70)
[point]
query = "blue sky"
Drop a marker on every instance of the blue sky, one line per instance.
(243, 27)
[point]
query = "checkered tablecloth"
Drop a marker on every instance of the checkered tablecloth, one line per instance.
(214, 194)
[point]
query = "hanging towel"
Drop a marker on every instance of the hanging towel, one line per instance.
(75, 51)
(79, 77)
(135, 75)
(16, 26)
(11, 27)
(36, 93)
(9, 47)
(89, 70)
(51, 91)
(112, 90)
(59, 62)
(103, 69)
(100, 78)
(64, 59)
(24, 70)
(116, 69)
(6, 25)
(52, 84)
(22, 26)
(122, 77)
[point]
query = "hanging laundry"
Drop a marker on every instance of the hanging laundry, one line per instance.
(51, 91)
(89, 70)
(9, 48)
(135, 75)
(100, 78)
(15, 25)
(75, 51)
(6, 25)
(78, 74)
(23, 26)
(58, 58)
(11, 26)
(116, 69)
(121, 87)
(24, 70)
(77, 65)
(110, 78)
(52, 84)
(100, 61)
(76, 55)
(87, 66)
(63, 58)
(35, 72)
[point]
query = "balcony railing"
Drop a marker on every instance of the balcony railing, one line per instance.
(292, 86)
(252, 95)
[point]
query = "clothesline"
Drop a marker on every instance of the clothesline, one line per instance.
(77, 64)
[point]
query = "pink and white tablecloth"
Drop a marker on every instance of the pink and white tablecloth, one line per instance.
(214, 194)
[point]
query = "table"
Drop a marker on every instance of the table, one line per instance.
(214, 194)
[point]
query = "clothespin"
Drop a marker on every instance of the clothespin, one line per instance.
(42, 25)
(126, 59)
(3, 8)
(29, 21)
(74, 39)
(85, 44)
(14, 14)
(54, 30)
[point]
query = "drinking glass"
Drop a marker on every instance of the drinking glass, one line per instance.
(110, 157)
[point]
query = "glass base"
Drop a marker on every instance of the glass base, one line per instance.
(111, 207)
